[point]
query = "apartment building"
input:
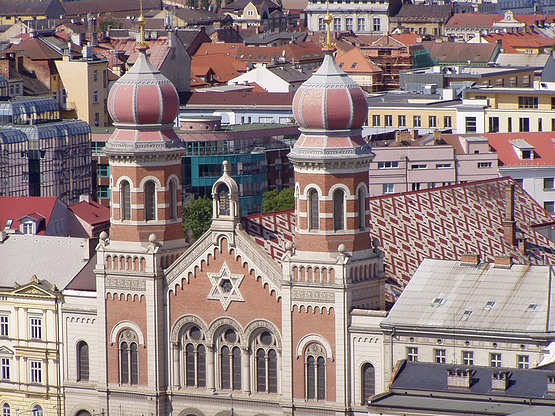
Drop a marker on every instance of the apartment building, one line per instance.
(408, 164)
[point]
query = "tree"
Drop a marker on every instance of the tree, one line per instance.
(218, 5)
(197, 216)
(205, 4)
(192, 4)
(278, 200)
(108, 22)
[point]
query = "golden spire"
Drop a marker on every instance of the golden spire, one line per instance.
(328, 19)
(142, 22)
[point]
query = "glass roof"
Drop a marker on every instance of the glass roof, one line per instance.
(28, 106)
(3, 82)
(57, 129)
(12, 136)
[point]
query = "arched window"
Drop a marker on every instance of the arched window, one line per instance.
(368, 382)
(230, 360)
(338, 209)
(266, 362)
(361, 209)
(129, 359)
(150, 201)
(125, 200)
(82, 361)
(315, 372)
(37, 411)
(223, 199)
(313, 210)
(173, 200)
(83, 413)
(195, 357)
(6, 411)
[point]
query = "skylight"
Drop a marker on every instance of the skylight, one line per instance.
(489, 305)
(466, 314)
(437, 302)
(532, 307)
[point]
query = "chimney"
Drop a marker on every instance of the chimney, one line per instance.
(85, 198)
(19, 63)
(500, 380)
(402, 136)
(503, 261)
(459, 378)
(470, 259)
(437, 135)
(509, 224)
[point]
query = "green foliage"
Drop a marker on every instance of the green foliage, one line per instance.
(109, 22)
(197, 216)
(192, 4)
(205, 4)
(278, 201)
(218, 4)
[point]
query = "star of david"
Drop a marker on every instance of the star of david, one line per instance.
(225, 286)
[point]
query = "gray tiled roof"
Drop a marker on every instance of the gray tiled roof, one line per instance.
(441, 291)
(423, 386)
(55, 259)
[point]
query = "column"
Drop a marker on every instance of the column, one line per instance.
(210, 368)
(246, 371)
(176, 366)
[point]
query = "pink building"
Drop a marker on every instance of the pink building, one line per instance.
(410, 164)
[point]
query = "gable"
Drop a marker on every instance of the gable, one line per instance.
(34, 290)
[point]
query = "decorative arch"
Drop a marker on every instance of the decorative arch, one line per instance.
(125, 178)
(150, 178)
(307, 339)
(183, 322)
(311, 186)
(190, 411)
(341, 186)
(120, 326)
(219, 323)
(80, 409)
(258, 324)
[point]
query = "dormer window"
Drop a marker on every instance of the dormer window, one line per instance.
(523, 149)
(28, 228)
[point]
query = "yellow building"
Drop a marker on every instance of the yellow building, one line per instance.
(84, 87)
(30, 374)
(392, 111)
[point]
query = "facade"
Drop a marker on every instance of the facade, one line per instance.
(528, 158)
(30, 319)
(367, 17)
(43, 155)
(424, 19)
(233, 320)
(435, 160)
(265, 13)
(274, 78)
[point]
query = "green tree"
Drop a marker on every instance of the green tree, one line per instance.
(197, 216)
(192, 4)
(218, 5)
(278, 200)
(109, 22)
(205, 4)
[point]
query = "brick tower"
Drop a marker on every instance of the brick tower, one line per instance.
(333, 266)
(146, 237)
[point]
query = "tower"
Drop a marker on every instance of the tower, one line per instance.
(146, 237)
(333, 266)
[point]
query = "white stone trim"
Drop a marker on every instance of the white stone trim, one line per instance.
(126, 324)
(307, 339)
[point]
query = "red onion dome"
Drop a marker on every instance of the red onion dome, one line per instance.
(330, 100)
(143, 96)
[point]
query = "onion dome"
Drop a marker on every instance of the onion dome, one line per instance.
(143, 96)
(330, 100)
(143, 104)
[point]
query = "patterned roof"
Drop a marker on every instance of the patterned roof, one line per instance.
(444, 223)
(15, 208)
(440, 223)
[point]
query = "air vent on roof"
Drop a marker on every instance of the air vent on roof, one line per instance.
(466, 314)
(489, 305)
(532, 307)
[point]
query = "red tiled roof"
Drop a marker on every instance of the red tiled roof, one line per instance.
(225, 67)
(157, 52)
(444, 223)
(238, 98)
(355, 61)
(544, 148)
(34, 49)
(15, 208)
(512, 41)
(441, 223)
(91, 212)
(300, 52)
(474, 20)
